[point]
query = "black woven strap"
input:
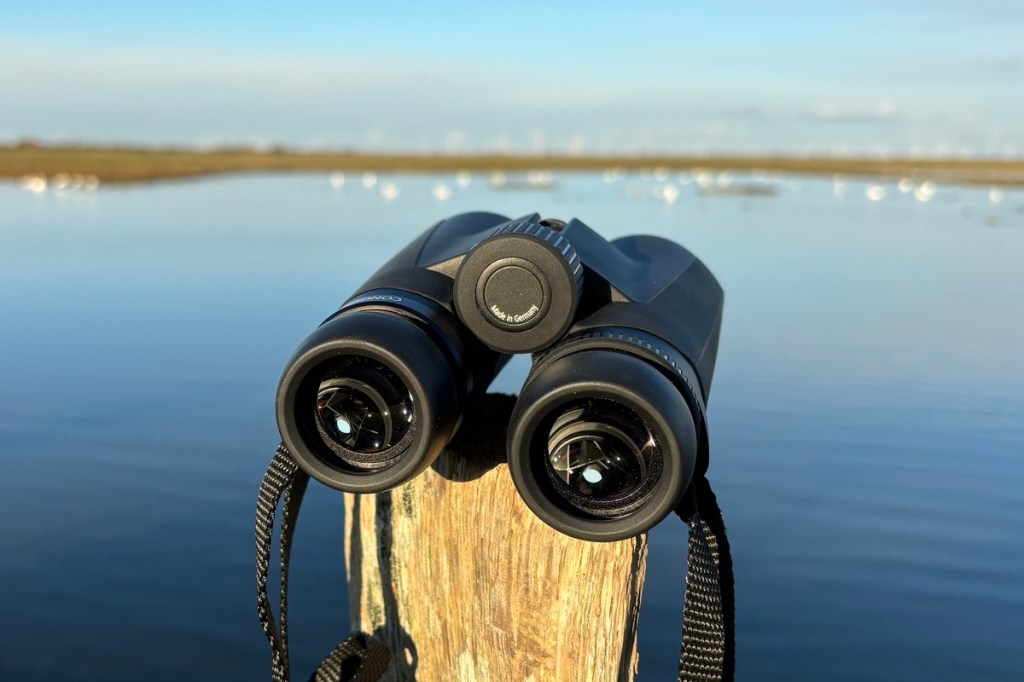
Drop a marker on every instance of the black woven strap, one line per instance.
(708, 650)
(360, 658)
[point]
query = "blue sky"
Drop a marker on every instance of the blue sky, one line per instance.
(904, 76)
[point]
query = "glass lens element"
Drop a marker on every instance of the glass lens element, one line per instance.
(363, 407)
(354, 415)
(600, 449)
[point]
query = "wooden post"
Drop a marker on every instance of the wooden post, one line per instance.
(463, 583)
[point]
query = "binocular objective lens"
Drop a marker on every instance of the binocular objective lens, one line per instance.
(363, 407)
(599, 449)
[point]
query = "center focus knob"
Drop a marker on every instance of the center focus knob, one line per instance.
(518, 289)
(514, 296)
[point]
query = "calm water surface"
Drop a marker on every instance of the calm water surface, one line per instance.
(867, 419)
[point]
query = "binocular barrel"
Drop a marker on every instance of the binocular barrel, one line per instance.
(610, 425)
(375, 393)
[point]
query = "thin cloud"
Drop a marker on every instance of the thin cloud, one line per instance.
(882, 112)
(1003, 65)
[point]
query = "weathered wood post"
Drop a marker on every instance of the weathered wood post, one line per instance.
(463, 583)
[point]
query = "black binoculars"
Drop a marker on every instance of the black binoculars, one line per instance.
(609, 428)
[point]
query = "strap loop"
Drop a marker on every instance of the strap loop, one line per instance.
(360, 658)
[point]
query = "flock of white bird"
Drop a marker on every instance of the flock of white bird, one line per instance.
(37, 184)
(921, 191)
(666, 186)
(660, 184)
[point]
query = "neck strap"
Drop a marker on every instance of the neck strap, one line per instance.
(360, 658)
(708, 649)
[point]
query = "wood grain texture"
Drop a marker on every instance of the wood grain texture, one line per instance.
(462, 582)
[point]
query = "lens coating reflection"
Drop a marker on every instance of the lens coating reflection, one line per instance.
(363, 406)
(600, 449)
(354, 415)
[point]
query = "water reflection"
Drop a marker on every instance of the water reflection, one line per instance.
(865, 413)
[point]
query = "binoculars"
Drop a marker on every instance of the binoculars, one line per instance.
(609, 428)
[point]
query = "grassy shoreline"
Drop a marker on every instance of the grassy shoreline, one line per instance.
(137, 164)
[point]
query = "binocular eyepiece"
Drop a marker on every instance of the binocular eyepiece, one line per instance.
(609, 428)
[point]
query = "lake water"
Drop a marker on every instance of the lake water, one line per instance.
(867, 419)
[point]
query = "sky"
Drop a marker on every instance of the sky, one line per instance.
(922, 77)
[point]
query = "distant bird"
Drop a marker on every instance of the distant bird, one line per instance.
(874, 192)
(667, 193)
(925, 191)
(33, 183)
